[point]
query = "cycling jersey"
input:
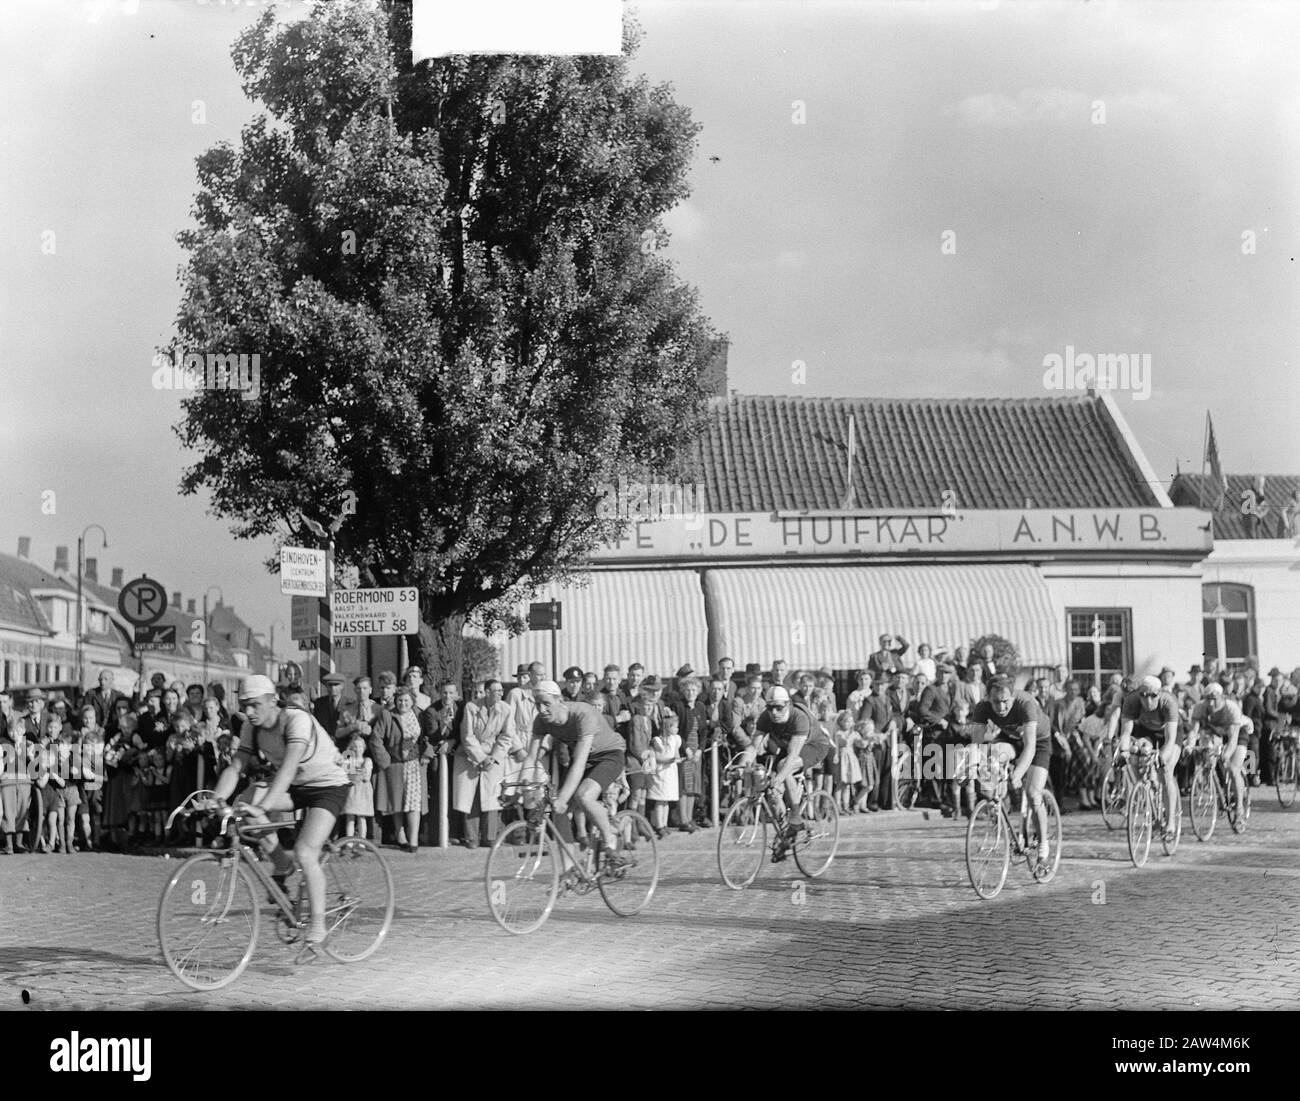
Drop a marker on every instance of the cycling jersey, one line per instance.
(781, 734)
(1150, 724)
(1221, 720)
(1024, 709)
(321, 765)
(584, 723)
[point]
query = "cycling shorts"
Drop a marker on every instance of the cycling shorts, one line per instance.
(605, 767)
(332, 799)
(813, 754)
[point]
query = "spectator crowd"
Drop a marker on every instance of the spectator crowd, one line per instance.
(106, 773)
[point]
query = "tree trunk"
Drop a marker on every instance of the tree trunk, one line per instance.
(439, 649)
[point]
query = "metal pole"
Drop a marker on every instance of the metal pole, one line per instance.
(81, 550)
(713, 790)
(893, 768)
(555, 663)
(205, 641)
(444, 763)
(326, 644)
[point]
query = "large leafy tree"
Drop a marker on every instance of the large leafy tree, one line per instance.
(452, 275)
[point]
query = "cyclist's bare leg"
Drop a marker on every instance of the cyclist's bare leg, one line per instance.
(1236, 762)
(1035, 782)
(317, 825)
(792, 792)
(589, 799)
(1169, 759)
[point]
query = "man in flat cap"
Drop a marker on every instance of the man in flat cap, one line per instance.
(328, 708)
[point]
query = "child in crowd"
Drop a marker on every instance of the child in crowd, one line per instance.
(65, 749)
(360, 807)
(46, 781)
(661, 766)
(848, 770)
(89, 775)
(151, 777)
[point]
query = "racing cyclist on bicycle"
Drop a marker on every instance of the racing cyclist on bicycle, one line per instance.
(787, 729)
(1153, 711)
(596, 759)
(1018, 718)
(1225, 721)
(309, 776)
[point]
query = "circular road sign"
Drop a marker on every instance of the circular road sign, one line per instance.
(142, 602)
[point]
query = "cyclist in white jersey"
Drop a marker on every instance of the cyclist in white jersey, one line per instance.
(309, 776)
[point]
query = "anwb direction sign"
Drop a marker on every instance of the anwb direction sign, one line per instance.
(375, 612)
(302, 571)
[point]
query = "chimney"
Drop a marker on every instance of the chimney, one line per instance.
(713, 378)
(60, 559)
(189, 607)
(117, 577)
(176, 601)
(24, 546)
(92, 570)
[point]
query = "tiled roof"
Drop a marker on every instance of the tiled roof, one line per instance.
(18, 577)
(1230, 521)
(764, 454)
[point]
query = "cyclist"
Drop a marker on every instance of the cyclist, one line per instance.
(309, 776)
(1018, 718)
(596, 759)
(1154, 711)
(1226, 725)
(786, 728)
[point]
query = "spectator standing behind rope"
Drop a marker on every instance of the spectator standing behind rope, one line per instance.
(479, 764)
(400, 790)
(693, 732)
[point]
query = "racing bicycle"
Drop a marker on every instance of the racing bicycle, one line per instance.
(524, 877)
(743, 839)
(991, 839)
(210, 909)
(1213, 792)
(1148, 807)
(1286, 765)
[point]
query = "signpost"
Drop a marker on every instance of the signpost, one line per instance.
(358, 612)
(155, 637)
(302, 571)
(543, 616)
(142, 601)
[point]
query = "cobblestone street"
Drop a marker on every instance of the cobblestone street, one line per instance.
(893, 924)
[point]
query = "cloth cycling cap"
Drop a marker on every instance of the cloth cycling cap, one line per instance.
(549, 687)
(778, 695)
(1214, 689)
(1151, 684)
(255, 687)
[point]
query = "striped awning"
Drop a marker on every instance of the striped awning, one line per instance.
(655, 617)
(833, 615)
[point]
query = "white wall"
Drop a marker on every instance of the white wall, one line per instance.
(1164, 602)
(1272, 568)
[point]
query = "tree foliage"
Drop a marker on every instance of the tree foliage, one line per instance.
(453, 276)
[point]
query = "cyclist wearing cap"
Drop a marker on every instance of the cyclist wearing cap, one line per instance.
(1154, 712)
(596, 756)
(309, 776)
(1018, 718)
(1226, 725)
(787, 729)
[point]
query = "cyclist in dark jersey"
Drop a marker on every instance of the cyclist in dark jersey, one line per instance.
(1020, 722)
(596, 756)
(1152, 713)
(788, 730)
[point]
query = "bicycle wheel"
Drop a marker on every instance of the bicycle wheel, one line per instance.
(1140, 816)
(815, 845)
(628, 889)
(988, 849)
(742, 843)
(207, 921)
(523, 877)
(1203, 805)
(359, 900)
(1053, 840)
(1173, 821)
(1114, 797)
(1286, 777)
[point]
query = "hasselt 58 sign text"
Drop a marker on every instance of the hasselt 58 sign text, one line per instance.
(375, 611)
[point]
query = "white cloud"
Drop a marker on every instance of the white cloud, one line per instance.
(1062, 105)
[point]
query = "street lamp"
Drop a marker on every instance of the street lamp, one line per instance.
(81, 558)
(274, 659)
(207, 628)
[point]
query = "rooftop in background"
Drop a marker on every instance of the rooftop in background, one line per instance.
(18, 577)
(766, 454)
(1231, 520)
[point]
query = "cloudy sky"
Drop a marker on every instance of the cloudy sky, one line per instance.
(972, 187)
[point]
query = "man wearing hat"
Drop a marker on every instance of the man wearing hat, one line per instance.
(328, 708)
(572, 686)
(35, 720)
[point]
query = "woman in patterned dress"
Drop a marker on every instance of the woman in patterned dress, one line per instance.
(401, 792)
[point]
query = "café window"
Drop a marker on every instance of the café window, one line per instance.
(1100, 644)
(1228, 622)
